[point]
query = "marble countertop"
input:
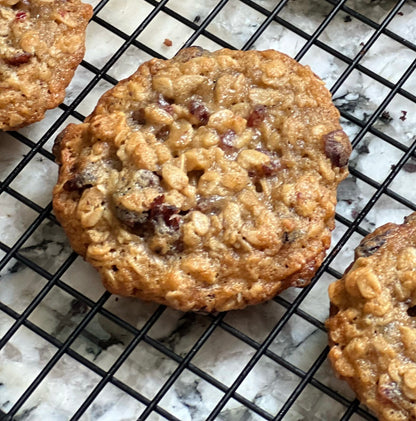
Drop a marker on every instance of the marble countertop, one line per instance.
(216, 348)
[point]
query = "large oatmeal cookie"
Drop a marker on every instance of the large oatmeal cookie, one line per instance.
(41, 44)
(205, 182)
(372, 327)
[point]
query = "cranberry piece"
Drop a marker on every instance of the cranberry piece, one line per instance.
(167, 213)
(18, 59)
(227, 140)
(164, 103)
(273, 167)
(163, 133)
(369, 247)
(79, 182)
(21, 15)
(74, 184)
(257, 116)
(337, 148)
(199, 110)
(146, 223)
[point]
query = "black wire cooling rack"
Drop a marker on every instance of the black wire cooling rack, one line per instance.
(383, 123)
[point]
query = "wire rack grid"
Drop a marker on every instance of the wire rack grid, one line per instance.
(70, 350)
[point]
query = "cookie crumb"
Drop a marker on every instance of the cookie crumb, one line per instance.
(386, 117)
(168, 42)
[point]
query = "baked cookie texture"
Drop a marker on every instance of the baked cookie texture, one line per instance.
(205, 182)
(41, 44)
(372, 327)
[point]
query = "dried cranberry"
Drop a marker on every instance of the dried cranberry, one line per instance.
(18, 59)
(198, 109)
(78, 183)
(163, 133)
(168, 213)
(257, 116)
(227, 140)
(157, 201)
(164, 103)
(337, 148)
(21, 15)
(369, 246)
(147, 222)
(270, 169)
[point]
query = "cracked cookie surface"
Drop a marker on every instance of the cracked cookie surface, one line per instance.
(205, 182)
(372, 327)
(41, 44)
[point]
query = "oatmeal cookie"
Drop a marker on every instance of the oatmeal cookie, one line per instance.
(41, 44)
(205, 182)
(372, 326)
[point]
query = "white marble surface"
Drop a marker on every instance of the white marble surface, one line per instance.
(224, 355)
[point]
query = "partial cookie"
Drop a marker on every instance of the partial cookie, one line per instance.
(41, 44)
(372, 327)
(205, 182)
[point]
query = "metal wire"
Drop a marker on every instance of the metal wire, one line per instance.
(214, 322)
